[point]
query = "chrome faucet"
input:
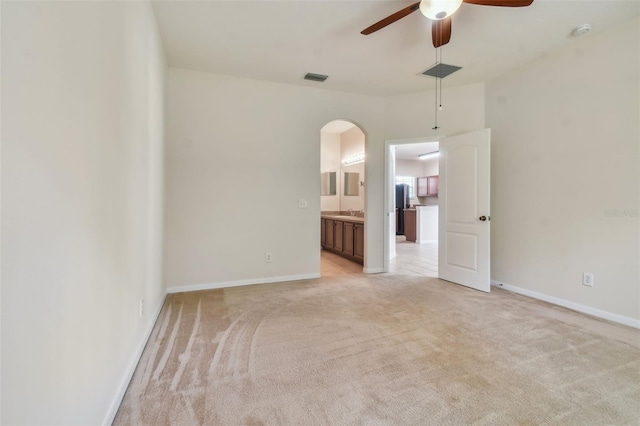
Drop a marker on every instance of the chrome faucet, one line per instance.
(351, 212)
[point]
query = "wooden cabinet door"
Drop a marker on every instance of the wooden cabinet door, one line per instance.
(432, 185)
(359, 241)
(329, 237)
(423, 186)
(410, 224)
(348, 238)
(337, 235)
(428, 186)
(323, 232)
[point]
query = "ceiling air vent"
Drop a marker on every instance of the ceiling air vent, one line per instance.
(315, 77)
(440, 70)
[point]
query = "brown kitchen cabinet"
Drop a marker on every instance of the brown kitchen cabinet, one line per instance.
(410, 225)
(428, 186)
(323, 232)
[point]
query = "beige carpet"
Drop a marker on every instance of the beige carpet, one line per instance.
(381, 350)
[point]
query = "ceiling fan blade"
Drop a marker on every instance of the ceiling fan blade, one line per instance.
(503, 3)
(391, 19)
(441, 32)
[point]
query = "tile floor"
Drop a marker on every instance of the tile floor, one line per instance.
(412, 259)
(332, 265)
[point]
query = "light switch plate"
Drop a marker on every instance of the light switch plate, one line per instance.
(587, 279)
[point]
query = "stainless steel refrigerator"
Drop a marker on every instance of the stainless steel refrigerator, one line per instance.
(402, 203)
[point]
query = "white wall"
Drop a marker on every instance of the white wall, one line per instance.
(228, 137)
(565, 153)
(330, 162)
(412, 115)
(82, 136)
(413, 168)
(431, 167)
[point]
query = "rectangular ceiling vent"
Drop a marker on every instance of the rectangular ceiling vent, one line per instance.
(440, 70)
(315, 77)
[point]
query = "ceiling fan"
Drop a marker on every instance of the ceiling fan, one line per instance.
(439, 12)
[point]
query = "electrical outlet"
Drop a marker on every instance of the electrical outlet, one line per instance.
(302, 203)
(587, 279)
(267, 257)
(141, 308)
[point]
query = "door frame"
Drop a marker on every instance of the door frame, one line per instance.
(389, 195)
(339, 177)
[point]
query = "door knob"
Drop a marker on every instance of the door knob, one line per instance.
(484, 218)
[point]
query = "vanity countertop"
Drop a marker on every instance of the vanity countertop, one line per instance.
(354, 219)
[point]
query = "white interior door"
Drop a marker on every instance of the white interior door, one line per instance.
(464, 231)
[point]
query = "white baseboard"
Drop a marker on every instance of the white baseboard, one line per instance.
(373, 270)
(610, 316)
(128, 375)
(239, 283)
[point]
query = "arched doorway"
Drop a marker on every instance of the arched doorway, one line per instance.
(343, 198)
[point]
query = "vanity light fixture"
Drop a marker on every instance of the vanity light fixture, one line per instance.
(353, 159)
(433, 154)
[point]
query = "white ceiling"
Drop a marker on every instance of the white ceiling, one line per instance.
(280, 41)
(411, 151)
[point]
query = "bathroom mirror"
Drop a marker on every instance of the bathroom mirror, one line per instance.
(328, 183)
(351, 183)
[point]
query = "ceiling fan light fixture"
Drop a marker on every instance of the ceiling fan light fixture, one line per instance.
(439, 9)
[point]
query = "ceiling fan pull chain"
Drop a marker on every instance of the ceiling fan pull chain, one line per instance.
(440, 79)
(435, 98)
(435, 103)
